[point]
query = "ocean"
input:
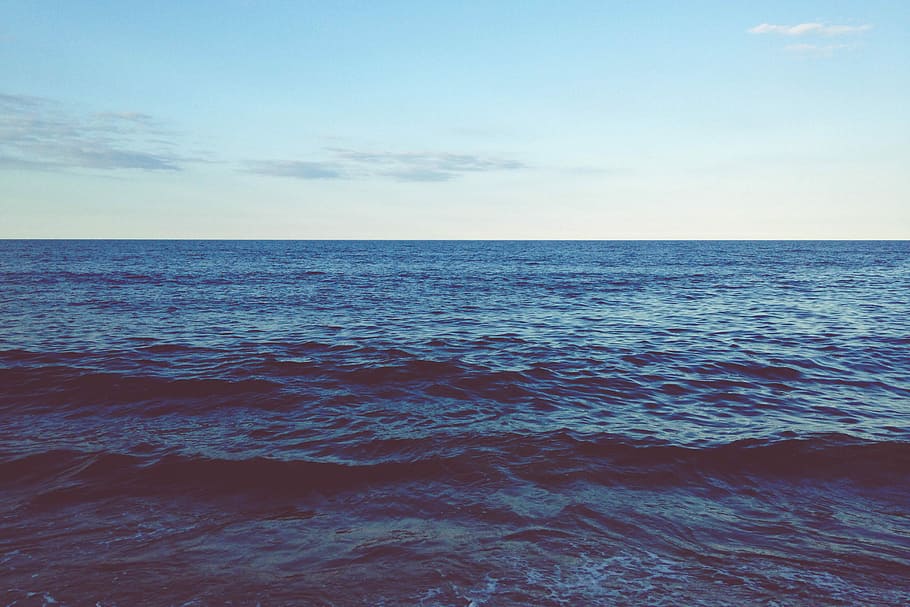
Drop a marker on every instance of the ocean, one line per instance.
(454, 423)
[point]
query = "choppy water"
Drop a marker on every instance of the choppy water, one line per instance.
(454, 423)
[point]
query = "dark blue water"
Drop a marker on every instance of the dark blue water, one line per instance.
(454, 423)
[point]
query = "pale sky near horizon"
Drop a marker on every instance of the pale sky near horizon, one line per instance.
(651, 119)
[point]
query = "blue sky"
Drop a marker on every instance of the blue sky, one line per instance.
(624, 119)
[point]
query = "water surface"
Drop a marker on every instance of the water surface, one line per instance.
(454, 423)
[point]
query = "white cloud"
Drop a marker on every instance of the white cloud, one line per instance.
(300, 169)
(802, 29)
(42, 134)
(344, 163)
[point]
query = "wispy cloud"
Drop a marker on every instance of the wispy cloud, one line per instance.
(39, 133)
(346, 163)
(802, 29)
(296, 168)
(816, 50)
(814, 31)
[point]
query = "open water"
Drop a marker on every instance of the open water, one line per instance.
(454, 423)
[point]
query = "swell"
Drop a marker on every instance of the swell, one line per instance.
(163, 371)
(42, 380)
(548, 461)
(63, 476)
(564, 457)
(102, 386)
(61, 385)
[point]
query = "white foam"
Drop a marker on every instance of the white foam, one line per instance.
(640, 577)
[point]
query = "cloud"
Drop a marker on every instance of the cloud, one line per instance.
(802, 29)
(346, 163)
(816, 50)
(417, 175)
(136, 117)
(296, 168)
(42, 134)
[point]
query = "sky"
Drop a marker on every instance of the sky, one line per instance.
(421, 120)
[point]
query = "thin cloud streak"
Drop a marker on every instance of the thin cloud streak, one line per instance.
(350, 164)
(817, 50)
(803, 29)
(296, 168)
(41, 134)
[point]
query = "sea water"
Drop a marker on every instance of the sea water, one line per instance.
(454, 423)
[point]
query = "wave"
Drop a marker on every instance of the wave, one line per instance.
(548, 460)
(55, 386)
(819, 457)
(414, 370)
(270, 365)
(64, 476)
